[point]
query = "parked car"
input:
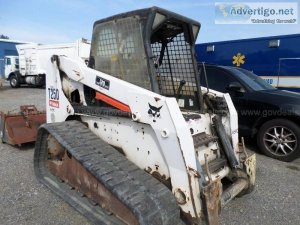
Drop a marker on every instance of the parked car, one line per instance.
(270, 115)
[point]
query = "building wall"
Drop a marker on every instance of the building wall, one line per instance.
(6, 48)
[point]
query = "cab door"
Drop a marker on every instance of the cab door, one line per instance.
(2, 73)
(7, 67)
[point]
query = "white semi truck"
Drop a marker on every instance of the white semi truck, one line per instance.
(25, 69)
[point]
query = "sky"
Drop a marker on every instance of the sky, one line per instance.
(61, 21)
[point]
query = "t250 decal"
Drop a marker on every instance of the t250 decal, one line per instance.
(53, 95)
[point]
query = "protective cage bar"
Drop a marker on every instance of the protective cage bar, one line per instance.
(151, 48)
(177, 65)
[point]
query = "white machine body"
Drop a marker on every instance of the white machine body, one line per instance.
(165, 146)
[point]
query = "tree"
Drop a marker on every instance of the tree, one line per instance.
(3, 36)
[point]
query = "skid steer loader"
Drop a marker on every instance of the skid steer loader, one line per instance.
(132, 138)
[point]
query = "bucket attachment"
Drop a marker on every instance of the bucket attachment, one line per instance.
(20, 128)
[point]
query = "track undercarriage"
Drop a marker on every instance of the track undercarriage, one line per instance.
(99, 181)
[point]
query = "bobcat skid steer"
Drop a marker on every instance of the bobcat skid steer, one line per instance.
(131, 138)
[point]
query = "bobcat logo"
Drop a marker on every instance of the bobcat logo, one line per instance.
(154, 111)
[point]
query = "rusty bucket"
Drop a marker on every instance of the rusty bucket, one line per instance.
(20, 128)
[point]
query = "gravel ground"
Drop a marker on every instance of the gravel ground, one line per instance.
(275, 199)
(24, 201)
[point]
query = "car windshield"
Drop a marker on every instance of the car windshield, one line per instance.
(253, 81)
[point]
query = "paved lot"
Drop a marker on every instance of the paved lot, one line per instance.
(24, 201)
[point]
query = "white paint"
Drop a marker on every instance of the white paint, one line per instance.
(142, 140)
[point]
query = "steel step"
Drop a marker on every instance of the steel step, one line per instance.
(203, 139)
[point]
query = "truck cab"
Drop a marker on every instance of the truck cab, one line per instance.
(11, 65)
(25, 68)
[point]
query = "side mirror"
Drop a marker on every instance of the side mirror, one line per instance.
(236, 87)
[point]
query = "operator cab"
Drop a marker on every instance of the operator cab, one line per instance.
(151, 48)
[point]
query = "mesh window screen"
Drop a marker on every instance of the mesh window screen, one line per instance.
(176, 65)
(118, 50)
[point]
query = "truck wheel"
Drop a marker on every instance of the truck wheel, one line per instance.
(279, 139)
(14, 81)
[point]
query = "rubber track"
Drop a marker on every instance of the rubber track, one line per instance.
(150, 201)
